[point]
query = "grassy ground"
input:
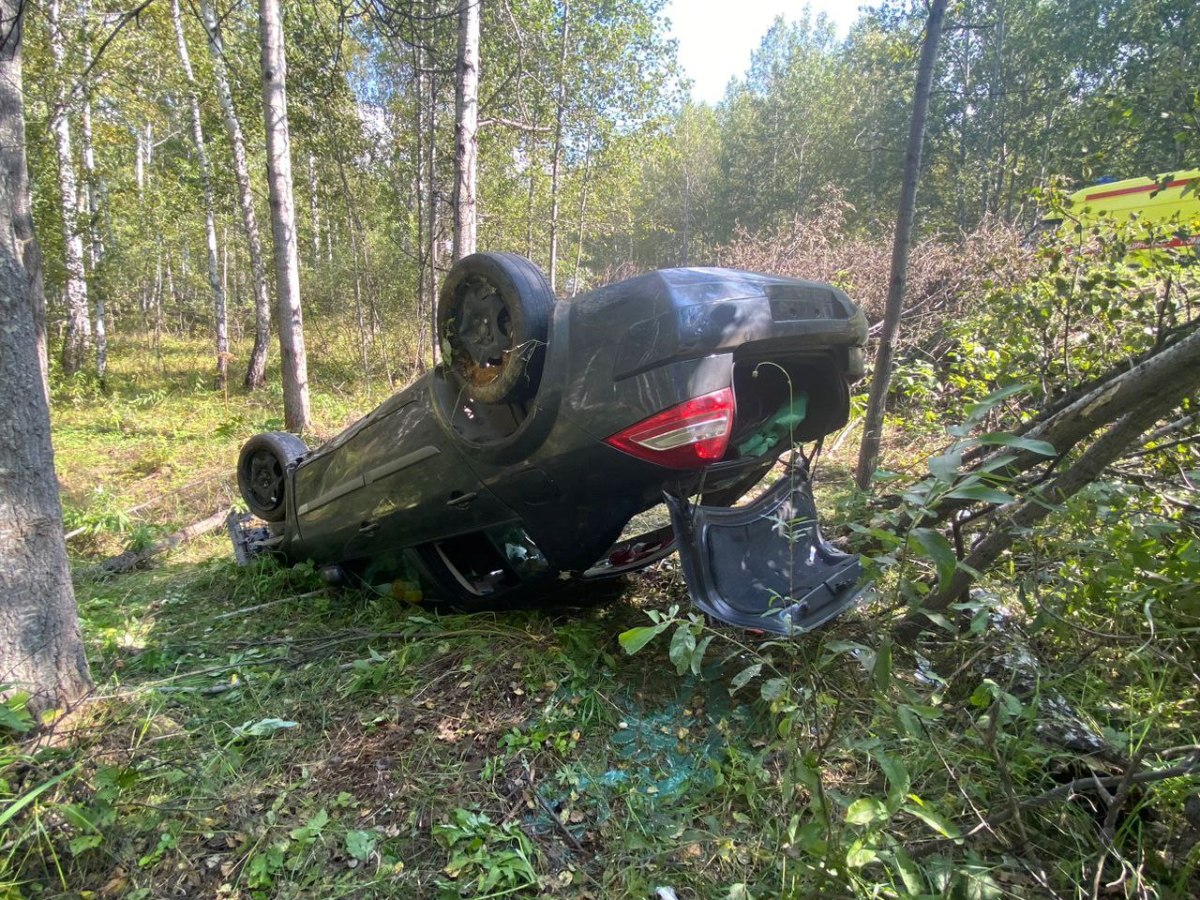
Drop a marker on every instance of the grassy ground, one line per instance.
(254, 736)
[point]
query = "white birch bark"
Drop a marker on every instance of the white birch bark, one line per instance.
(79, 329)
(220, 316)
(466, 129)
(96, 242)
(314, 209)
(256, 371)
(283, 218)
(92, 209)
(139, 162)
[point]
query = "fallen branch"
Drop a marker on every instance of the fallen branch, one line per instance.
(76, 532)
(558, 823)
(132, 559)
(246, 610)
(1090, 783)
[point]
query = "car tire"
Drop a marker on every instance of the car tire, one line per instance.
(493, 315)
(262, 472)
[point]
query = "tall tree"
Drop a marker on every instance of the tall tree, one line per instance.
(314, 208)
(283, 218)
(41, 650)
(92, 198)
(868, 456)
(466, 127)
(79, 329)
(556, 159)
(256, 371)
(220, 324)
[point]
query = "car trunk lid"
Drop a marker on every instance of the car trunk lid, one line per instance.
(765, 565)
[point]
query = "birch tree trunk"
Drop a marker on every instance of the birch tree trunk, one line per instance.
(466, 129)
(531, 168)
(314, 209)
(96, 242)
(79, 329)
(355, 229)
(293, 361)
(41, 650)
(583, 198)
(139, 162)
(220, 318)
(556, 162)
(92, 210)
(868, 456)
(256, 371)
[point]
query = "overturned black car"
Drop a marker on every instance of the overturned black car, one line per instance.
(516, 465)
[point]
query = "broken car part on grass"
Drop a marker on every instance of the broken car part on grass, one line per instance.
(515, 466)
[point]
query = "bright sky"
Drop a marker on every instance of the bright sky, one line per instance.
(716, 37)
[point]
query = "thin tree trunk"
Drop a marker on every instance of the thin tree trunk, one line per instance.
(314, 209)
(147, 299)
(221, 326)
(583, 197)
(256, 371)
(556, 162)
(419, 193)
(466, 129)
(172, 288)
(96, 242)
(294, 363)
(41, 650)
(685, 246)
(868, 456)
(79, 329)
(139, 162)
(355, 229)
(157, 303)
(431, 174)
(532, 169)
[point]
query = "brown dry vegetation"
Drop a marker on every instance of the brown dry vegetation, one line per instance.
(945, 277)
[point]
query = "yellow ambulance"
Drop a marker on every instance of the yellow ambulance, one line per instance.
(1166, 204)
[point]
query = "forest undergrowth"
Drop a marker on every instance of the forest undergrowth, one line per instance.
(253, 734)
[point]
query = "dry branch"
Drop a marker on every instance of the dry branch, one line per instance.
(246, 610)
(1091, 783)
(132, 559)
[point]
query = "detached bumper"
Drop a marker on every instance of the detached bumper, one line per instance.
(765, 565)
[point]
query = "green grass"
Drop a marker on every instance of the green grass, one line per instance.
(348, 745)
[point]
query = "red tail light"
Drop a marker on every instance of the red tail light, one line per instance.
(687, 436)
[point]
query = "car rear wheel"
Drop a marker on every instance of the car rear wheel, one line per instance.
(493, 315)
(262, 472)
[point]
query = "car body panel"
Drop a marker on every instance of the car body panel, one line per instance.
(765, 565)
(484, 502)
